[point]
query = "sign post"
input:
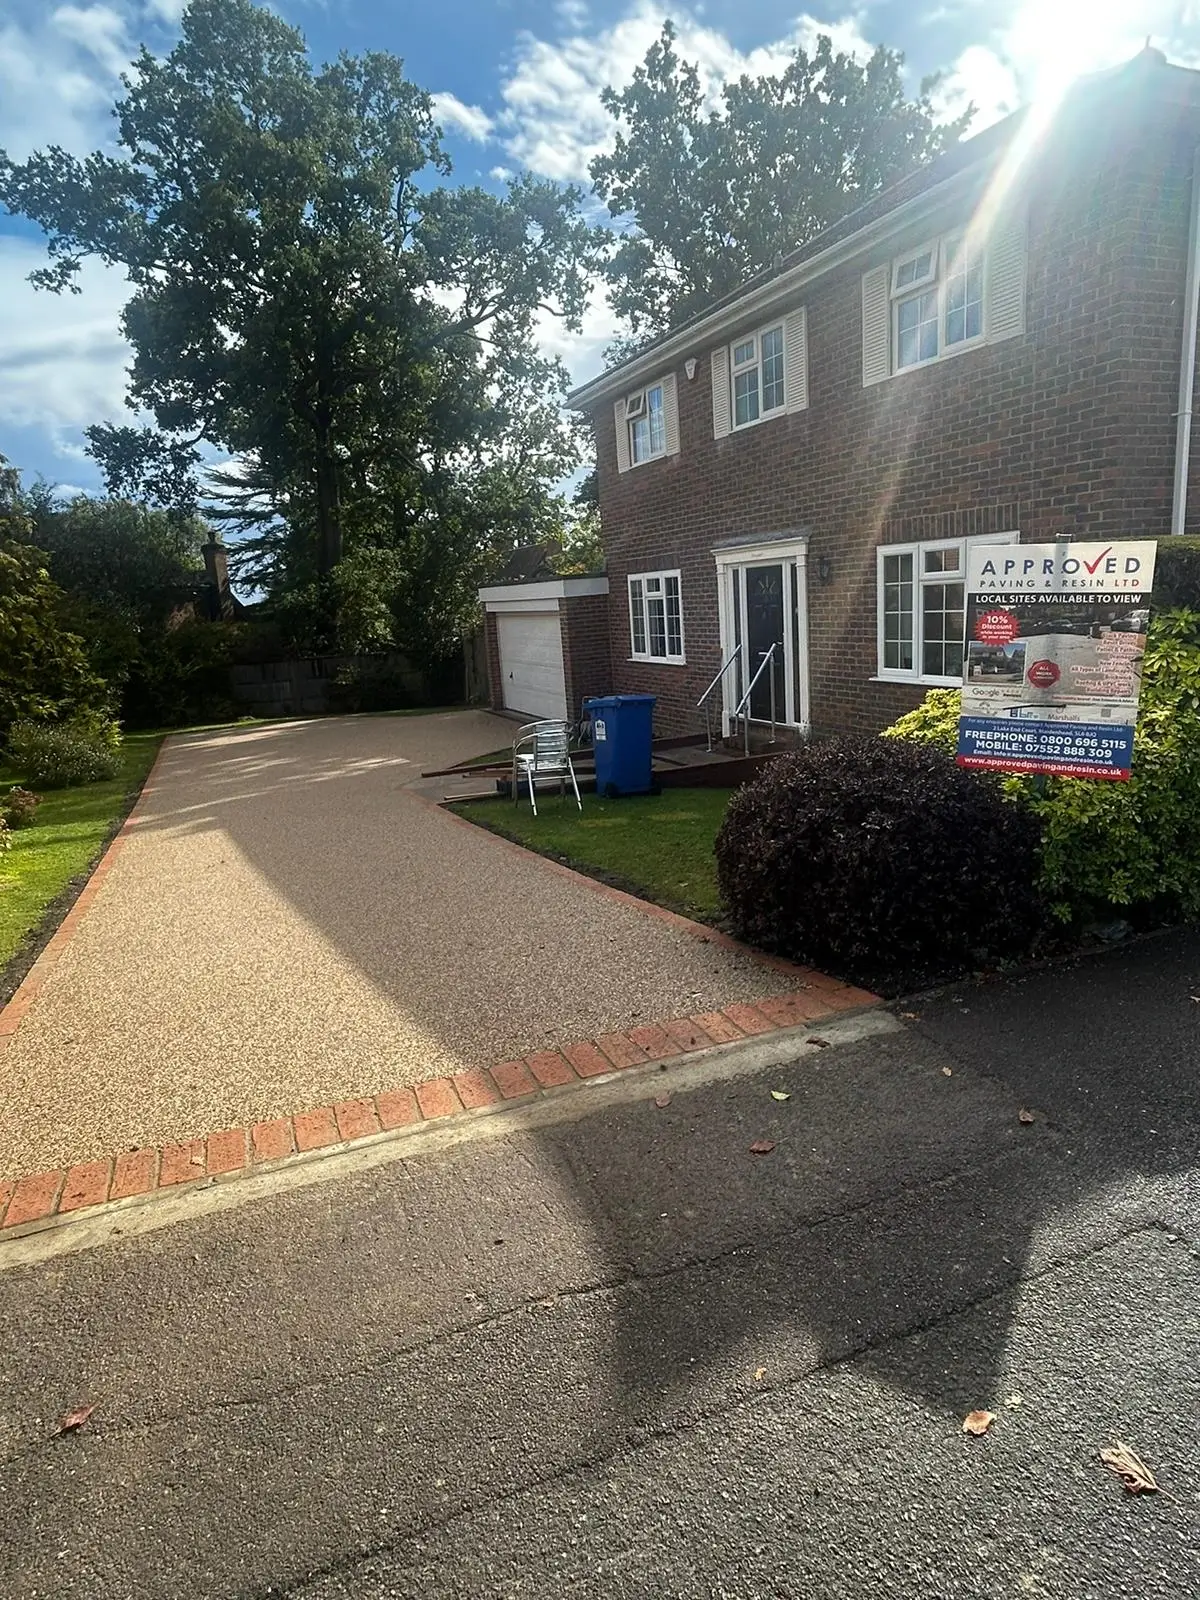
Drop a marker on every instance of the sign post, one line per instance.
(1053, 666)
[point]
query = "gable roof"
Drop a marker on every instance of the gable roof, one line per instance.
(964, 167)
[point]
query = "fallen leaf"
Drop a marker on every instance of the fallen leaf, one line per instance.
(978, 1422)
(759, 1374)
(74, 1420)
(821, 1044)
(1130, 1468)
(1196, 998)
(1025, 1116)
(662, 1101)
(762, 1147)
(780, 1094)
(947, 1072)
(911, 1016)
(1012, 1401)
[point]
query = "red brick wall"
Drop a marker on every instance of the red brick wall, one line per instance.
(1068, 429)
(491, 628)
(587, 661)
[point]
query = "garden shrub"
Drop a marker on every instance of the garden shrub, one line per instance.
(1127, 846)
(61, 755)
(19, 807)
(880, 859)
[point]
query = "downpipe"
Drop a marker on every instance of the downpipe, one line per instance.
(1187, 359)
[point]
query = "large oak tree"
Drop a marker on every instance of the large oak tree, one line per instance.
(308, 294)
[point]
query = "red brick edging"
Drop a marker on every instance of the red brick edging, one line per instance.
(44, 1195)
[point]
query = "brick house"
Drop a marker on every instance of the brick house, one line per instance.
(991, 349)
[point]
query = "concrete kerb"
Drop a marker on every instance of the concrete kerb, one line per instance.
(28, 1244)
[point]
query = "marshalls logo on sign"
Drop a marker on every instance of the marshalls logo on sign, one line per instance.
(1053, 667)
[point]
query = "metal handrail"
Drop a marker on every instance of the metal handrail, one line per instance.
(703, 700)
(768, 657)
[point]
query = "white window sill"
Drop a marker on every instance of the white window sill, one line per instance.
(943, 355)
(770, 416)
(648, 461)
(659, 661)
(916, 683)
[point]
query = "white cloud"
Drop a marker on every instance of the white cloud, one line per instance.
(501, 174)
(979, 78)
(62, 357)
(99, 32)
(553, 119)
(457, 117)
(582, 353)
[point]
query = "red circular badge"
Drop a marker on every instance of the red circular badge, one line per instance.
(1043, 674)
(996, 627)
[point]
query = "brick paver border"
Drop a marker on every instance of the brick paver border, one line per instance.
(39, 1198)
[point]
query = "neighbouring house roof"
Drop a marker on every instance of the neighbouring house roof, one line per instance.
(527, 564)
(959, 170)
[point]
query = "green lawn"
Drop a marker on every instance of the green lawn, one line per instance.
(658, 846)
(65, 839)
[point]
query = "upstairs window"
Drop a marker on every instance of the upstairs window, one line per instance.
(645, 417)
(647, 423)
(937, 301)
(758, 376)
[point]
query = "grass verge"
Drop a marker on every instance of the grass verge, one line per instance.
(659, 847)
(70, 832)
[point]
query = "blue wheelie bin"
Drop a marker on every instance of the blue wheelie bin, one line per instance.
(622, 736)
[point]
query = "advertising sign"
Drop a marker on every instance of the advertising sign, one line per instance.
(1053, 668)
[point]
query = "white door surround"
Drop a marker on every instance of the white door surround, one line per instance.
(779, 567)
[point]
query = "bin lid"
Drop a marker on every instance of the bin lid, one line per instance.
(605, 701)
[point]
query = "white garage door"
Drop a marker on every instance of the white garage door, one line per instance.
(531, 663)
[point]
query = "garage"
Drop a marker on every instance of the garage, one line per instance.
(531, 663)
(547, 641)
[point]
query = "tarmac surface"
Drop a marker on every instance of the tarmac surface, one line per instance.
(618, 1355)
(290, 924)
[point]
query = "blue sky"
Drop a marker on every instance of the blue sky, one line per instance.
(517, 85)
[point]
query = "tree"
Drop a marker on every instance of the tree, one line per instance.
(139, 562)
(716, 194)
(306, 298)
(46, 671)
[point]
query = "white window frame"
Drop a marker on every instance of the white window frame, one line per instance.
(638, 409)
(756, 337)
(933, 282)
(661, 579)
(918, 552)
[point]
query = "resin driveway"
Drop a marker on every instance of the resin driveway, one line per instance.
(290, 922)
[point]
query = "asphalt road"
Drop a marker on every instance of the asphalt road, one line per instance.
(621, 1356)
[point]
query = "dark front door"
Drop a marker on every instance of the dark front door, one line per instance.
(765, 612)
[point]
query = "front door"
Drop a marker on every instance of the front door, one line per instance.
(765, 626)
(763, 601)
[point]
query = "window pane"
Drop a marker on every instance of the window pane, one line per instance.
(637, 617)
(743, 352)
(916, 329)
(964, 298)
(657, 626)
(639, 438)
(943, 623)
(745, 396)
(772, 369)
(657, 421)
(897, 603)
(674, 615)
(941, 560)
